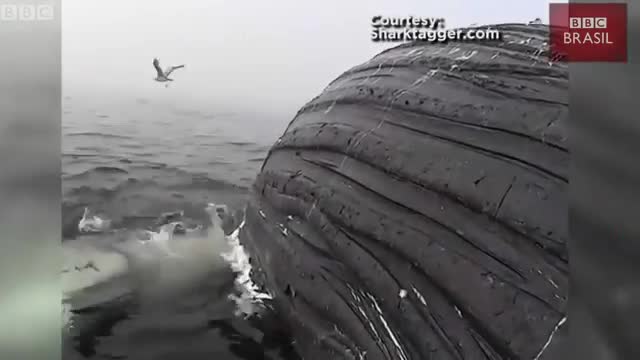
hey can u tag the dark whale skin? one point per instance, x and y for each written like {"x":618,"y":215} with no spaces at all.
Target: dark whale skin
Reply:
{"x":417,"y":208}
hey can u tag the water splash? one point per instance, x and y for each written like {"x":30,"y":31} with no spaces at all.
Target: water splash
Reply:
{"x":154,"y":263}
{"x":93,"y":223}
{"x":250,"y":300}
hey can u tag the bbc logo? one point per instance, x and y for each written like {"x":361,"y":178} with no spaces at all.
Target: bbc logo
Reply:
{"x":587,"y":22}
{"x":9,"y":12}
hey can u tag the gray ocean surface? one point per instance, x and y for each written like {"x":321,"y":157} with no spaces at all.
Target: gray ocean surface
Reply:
{"x":129,"y":160}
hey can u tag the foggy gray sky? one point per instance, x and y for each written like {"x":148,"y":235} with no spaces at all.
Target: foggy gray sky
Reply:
{"x":251,"y":54}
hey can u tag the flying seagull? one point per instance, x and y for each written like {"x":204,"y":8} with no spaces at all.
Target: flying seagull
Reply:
{"x":163,"y":76}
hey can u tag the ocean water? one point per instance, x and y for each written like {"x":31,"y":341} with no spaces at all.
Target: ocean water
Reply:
{"x":146,"y":277}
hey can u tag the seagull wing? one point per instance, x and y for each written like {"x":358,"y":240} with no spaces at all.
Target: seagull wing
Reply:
{"x":171,"y":68}
{"x":156,"y":64}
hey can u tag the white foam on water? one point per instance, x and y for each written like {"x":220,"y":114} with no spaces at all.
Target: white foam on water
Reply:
{"x":250,"y":300}
{"x":160,"y":261}
{"x":93,"y":223}
{"x":154,"y":262}
{"x":76,"y":275}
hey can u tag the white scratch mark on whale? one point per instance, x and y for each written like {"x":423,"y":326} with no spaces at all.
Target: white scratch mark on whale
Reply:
{"x":399,"y":348}
{"x":420,"y":297}
{"x":544,"y":347}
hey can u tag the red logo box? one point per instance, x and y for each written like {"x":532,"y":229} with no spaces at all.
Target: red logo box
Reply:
{"x":588,"y":32}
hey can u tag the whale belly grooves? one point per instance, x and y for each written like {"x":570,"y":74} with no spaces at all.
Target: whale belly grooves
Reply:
{"x":417,"y":208}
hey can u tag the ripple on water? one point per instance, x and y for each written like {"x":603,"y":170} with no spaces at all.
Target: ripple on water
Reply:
{"x":98,"y":134}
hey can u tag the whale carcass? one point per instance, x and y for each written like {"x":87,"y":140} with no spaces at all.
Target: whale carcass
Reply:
{"x":417,"y":208}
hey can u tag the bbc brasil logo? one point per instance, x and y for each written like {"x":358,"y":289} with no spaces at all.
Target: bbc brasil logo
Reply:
{"x":587,"y":23}
{"x":582,"y":32}
{"x":15,"y":12}
{"x":587,"y":30}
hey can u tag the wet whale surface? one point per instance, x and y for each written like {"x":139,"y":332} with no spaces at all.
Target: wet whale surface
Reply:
{"x":417,"y":208}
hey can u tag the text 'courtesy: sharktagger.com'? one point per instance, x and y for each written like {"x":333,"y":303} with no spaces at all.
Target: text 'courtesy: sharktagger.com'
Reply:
{"x":413,"y":28}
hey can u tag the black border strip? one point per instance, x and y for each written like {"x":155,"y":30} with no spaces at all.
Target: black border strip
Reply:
{"x":604,"y":251}
{"x":30,"y":261}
